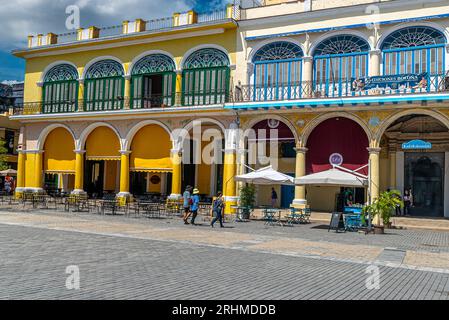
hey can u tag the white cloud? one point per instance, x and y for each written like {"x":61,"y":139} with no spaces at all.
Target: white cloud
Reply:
{"x":21,"y":18}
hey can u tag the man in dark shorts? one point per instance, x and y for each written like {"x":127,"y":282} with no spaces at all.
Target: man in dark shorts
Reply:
{"x":187,"y":197}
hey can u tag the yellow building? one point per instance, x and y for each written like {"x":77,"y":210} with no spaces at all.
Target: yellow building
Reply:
{"x":361,"y":84}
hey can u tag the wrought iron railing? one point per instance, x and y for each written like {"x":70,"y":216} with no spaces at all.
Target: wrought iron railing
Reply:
{"x":339,"y":88}
{"x":178,"y":99}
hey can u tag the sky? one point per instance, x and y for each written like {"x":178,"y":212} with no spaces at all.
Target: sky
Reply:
{"x":20,"y":18}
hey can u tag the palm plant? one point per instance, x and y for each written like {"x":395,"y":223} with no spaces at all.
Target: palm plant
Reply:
{"x":384,"y":206}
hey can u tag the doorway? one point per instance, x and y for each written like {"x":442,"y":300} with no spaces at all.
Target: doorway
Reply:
{"x":94,"y":178}
{"x":152,"y":90}
{"x":424,"y":175}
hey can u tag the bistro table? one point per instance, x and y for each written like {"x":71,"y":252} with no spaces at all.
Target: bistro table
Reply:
{"x":270,"y":216}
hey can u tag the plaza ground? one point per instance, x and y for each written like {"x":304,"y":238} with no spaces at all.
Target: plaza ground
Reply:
{"x":141,"y":258}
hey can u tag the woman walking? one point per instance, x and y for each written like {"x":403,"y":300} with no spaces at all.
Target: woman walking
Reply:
{"x":195,"y":205}
{"x":217,"y":210}
{"x":408,"y":202}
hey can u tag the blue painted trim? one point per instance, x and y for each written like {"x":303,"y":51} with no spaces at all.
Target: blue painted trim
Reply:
{"x":341,"y":101}
{"x":360,"y":25}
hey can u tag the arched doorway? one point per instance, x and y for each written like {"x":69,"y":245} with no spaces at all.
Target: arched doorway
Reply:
{"x":203,"y":158}
{"x":416,"y":155}
{"x":271,"y":142}
{"x":340,"y":141}
{"x":102,"y":169}
{"x":150,"y":164}
{"x":59,"y":161}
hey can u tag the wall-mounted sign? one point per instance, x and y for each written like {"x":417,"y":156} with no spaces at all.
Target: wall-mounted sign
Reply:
{"x":336,"y":159}
{"x":392,"y":82}
{"x":416,"y":144}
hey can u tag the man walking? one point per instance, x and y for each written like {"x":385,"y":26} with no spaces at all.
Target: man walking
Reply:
{"x":187,"y":198}
{"x":274,"y":198}
{"x":217,"y":209}
{"x":194,"y":206}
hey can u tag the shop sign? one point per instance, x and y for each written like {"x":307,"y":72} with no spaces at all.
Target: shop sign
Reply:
{"x":393,"y":82}
{"x":416,"y":144}
{"x":336,"y":159}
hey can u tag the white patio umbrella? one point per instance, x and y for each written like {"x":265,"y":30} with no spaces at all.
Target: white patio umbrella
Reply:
{"x":333,"y":177}
{"x":8,"y":172}
{"x":266,"y":176}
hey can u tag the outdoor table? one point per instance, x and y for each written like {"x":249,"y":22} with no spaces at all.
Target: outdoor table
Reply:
{"x":270,"y":216}
{"x":239,"y":213}
{"x":108,"y":204}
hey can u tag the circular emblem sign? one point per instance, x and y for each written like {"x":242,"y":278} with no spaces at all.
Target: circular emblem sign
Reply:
{"x":155,"y":179}
{"x":336,"y":159}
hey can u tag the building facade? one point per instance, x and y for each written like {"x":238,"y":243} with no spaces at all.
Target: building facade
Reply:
{"x":308,"y":84}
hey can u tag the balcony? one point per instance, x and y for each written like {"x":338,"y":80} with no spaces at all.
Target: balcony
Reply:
{"x":248,"y":95}
{"x":152,"y":102}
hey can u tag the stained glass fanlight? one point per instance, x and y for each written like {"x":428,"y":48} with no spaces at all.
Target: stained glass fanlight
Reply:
{"x":280,"y":50}
{"x":155,"y":63}
{"x":61,"y":72}
{"x":413,"y":37}
{"x":104,"y":69}
{"x":207,"y":58}
{"x":341,"y":44}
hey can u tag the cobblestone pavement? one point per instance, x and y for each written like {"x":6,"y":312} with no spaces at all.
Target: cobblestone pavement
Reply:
{"x":131,"y":258}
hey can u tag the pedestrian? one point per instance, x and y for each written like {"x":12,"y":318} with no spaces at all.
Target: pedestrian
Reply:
{"x":274,"y":198}
{"x":187,"y":198}
{"x":408,"y":202}
{"x":217,"y":209}
{"x":194,"y":206}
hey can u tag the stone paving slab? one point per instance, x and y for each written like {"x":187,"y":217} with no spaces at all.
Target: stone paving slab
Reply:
{"x":345,"y":247}
{"x":34,"y":259}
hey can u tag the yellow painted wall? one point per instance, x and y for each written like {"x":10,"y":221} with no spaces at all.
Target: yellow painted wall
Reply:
{"x":177,"y":47}
{"x":59,"y":155}
{"x":102,"y":142}
{"x":110,"y":175}
{"x":150,"y":149}
{"x":384,"y":174}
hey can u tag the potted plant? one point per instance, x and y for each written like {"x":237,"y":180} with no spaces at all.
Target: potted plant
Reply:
{"x":384,"y":206}
{"x":247,"y":199}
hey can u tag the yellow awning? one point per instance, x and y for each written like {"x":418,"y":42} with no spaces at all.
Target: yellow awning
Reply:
{"x":60,"y":172}
{"x":150,"y":170}
{"x":150,"y":150}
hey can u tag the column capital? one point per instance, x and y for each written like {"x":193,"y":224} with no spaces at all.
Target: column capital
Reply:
{"x":301,"y":150}
{"x":127,"y":77}
{"x":33,"y":151}
{"x":374,"y":150}
{"x":40,"y":84}
{"x":125,"y":152}
{"x":79,"y":151}
{"x":307,"y":58}
{"x":375,"y":51}
{"x":230,"y":150}
{"x":81,"y":81}
{"x":176,"y":151}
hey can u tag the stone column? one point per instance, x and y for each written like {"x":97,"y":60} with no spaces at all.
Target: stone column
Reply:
{"x":374,"y":64}
{"x":374,"y":162}
{"x":300,"y":191}
{"x":124,"y":194}
{"x":307,"y":77}
{"x":229,"y":185}
{"x":393,"y":170}
{"x":127,"y":98}
{"x":81,"y":89}
{"x":79,"y":172}
{"x":178,"y":93}
{"x":38,"y":172}
{"x":176,"y":158}
{"x":20,"y":183}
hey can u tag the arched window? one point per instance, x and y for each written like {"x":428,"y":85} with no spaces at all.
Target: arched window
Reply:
{"x":60,"y":89}
{"x":415,"y":50}
{"x":278,"y":71}
{"x":153,"y":82}
{"x":104,"y":86}
{"x":206,"y":77}
{"x":339,"y":61}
